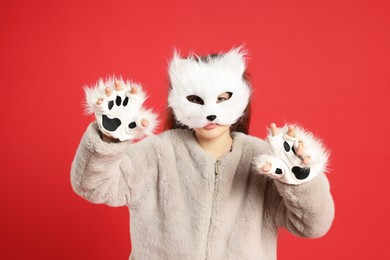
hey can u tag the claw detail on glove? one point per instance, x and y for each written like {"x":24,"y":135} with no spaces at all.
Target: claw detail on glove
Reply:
{"x":117,"y":106}
{"x":296,"y":156}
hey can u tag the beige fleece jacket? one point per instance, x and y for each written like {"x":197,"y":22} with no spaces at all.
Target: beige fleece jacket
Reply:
{"x":186,"y":205}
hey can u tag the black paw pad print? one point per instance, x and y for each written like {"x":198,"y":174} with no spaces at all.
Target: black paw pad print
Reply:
{"x":300,"y":173}
{"x":112,"y":124}
{"x":278,"y":171}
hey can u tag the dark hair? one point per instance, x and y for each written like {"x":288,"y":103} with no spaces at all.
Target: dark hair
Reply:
{"x":241,"y":125}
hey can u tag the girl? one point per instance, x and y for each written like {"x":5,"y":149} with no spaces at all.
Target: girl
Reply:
{"x":203,"y":189}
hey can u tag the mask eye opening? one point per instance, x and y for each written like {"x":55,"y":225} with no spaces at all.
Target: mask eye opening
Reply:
{"x":224,"y":96}
{"x":195,"y":99}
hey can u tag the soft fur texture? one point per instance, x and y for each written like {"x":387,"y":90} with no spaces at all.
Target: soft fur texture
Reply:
{"x":208,"y":79}
{"x":126,"y":110}
{"x":180,"y":209}
{"x":286,"y":160}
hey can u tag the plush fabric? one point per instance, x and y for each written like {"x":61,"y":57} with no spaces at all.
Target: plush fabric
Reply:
{"x":207,"y":79}
{"x":181,"y":209}
{"x":120,"y":115}
{"x":286,"y":165}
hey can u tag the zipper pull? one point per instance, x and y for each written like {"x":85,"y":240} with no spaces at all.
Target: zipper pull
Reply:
{"x":217,"y":167}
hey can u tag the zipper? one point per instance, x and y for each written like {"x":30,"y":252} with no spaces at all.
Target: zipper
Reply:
{"x":217,"y":171}
{"x":217,"y":168}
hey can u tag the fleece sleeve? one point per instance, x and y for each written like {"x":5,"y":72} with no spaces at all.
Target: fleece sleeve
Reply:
{"x":111,"y":173}
{"x":306,"y":210}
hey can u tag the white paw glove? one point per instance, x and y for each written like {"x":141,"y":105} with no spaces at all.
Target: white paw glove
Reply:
{"x":297,"y":157}
{"x":117,"y":106}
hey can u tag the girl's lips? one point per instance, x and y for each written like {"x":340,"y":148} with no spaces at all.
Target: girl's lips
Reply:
{"x":210,"y":126}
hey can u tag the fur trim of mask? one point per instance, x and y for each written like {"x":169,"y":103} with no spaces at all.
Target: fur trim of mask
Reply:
{"x":208,"y":78}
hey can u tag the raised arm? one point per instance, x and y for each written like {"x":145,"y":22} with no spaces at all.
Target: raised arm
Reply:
{"x":306,"y":210}
{"x":301,"y":197}
{"x":107,"y":167}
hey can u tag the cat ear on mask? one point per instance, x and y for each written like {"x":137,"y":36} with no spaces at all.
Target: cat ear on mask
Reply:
{"x":178,"y":66}
{"x":235,"y":60}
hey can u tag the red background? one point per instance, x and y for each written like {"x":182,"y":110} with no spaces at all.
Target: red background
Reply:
{"x":324,"y":64}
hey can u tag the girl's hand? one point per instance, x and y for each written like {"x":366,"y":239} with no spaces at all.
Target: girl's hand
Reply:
{"x":296,"y":156}
{"x":299,"y":151}
{"x":118,"y":107}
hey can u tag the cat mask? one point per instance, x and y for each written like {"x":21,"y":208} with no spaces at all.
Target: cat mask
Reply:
{"x":197,"y":83}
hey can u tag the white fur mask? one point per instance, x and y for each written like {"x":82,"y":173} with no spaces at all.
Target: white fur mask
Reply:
{"x":207,"y":79}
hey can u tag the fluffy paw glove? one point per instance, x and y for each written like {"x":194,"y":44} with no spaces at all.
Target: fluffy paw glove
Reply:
{"x":285,"y":165}
{"x":117,"y":106}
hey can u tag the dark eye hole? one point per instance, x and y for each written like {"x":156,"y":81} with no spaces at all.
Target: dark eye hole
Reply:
{"x":224,"y":96}
{"x":195,"y":99}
